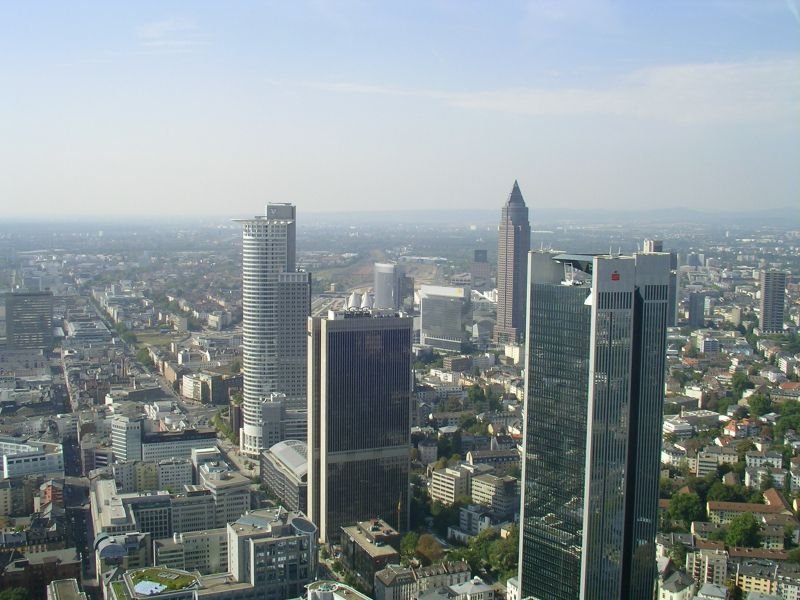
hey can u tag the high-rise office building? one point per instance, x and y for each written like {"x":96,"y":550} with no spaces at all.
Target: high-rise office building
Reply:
{"x":29,"y":320}
{"x":276,"y":302}
{"x":359,"y":394}
{"x":392,"y":288}
{"x":387,"y":286}
{"x":445,"y":314}
{"x":126,"y":438}
{"x":773,"y":292}
{"x":479,"y":269}
{"x":596,"y":345}
{"x":513,"y":243}
{"x":696,"y":316}
{"x":658,"y":246}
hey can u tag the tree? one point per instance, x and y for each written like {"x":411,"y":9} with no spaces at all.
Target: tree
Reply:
{"x":739,"y":383}
{"x":744,"y":531}
{"x":678,"y":555}
{"x":408,"y":546}
{"x":759,"y":404}
{"x":16,"y":593}
{"x":429,"y":549}
{"x":686,"y":508}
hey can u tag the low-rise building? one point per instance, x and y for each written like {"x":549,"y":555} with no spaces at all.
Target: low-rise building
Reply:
{"x":284,"y":470}
{"x":367,"y":547}
{"x":203,"y":551}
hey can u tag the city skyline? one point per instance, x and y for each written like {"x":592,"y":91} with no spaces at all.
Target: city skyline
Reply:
{"x":181,"y":109}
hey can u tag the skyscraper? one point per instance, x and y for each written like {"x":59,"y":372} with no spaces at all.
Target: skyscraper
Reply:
{"x":445,"y":314}
{"x":697,"y":310}
{"x":773,"y":292}
{"x":513,"y":243}
{"x":359,"y":394}
{"x":29,"y":320}
{"x":596,"y":345}
{"x":387,"y":286}
{"x":276,"y":302}
{"x":658,"y":246}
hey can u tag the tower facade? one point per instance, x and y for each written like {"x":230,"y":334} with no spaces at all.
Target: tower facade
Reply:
{"x":29,"y":320}
{"x":773,"y":291}
{"x":387,"y":286}
{"x":513,"y":244}
{"x":596,"y":346}
{"x":445,"y":315}
{"x":276,"y":302}
{"x":358,"y":419}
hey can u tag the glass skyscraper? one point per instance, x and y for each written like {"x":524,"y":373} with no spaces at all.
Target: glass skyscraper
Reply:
{"x":358,"y":419}
{"x":596,"y":345}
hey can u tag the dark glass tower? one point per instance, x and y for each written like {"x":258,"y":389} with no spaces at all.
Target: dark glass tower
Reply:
{"x":29,"y":320}
{"x":358,"y":419}
{"x":513,"y":244}
{"x":596,"y":347}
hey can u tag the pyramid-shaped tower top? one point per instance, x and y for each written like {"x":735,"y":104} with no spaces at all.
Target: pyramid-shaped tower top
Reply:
{"x":515,"y":197}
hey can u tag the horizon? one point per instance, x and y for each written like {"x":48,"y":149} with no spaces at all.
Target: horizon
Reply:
{"x":183,"y":109}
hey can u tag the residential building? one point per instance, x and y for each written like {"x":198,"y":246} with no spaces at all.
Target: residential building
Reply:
{"x":276,"y":301}
{"x":677,"y":586}
{"x":368,"y":547}
{"x":402,"y":583}
{"x":513,"y":244}
{"x":773,"y":292}
{"x":359,"y":396}
{"x":35,"y":570}
{"x":594,"y":397}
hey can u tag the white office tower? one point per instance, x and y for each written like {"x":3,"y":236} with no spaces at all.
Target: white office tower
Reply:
{"x":276,"y":302}
{"x":387,"y":286}
{"x":126,"y":438}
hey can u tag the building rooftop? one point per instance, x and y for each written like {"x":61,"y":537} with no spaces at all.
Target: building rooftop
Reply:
{"x":292,"y":453}
{"x":333,"y":590}
{"x":65,"y":589}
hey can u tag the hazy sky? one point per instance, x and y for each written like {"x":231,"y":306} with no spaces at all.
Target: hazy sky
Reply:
{"x":160,"y":107}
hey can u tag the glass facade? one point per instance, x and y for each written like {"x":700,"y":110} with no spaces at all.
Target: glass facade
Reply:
{"x":359,"y":412}
{"x":593,"y":427}
{"x":555,"y":439}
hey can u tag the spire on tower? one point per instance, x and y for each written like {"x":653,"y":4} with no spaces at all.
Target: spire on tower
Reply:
{"x":515,"y":197}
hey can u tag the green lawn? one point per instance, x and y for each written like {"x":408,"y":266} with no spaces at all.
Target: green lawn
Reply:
{"x":171,"y":580}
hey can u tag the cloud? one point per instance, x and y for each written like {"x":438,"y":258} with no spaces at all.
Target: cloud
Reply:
{"x":170,"y":34}
{"x":692,"y":93}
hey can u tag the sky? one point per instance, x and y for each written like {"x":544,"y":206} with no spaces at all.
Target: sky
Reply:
{"x":201,"y":108}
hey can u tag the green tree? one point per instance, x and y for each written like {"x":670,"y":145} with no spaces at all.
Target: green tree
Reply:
{"x":408,"y":546}
{"x":759,"y":404}
{"x":16,"y":593}
{"x":678,"y":555}
{"x":744,"y":531}
{"x":739,"y":383}
{"x":686,"y":508}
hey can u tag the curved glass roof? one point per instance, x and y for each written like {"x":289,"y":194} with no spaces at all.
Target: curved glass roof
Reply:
{"x":292,"y":453}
